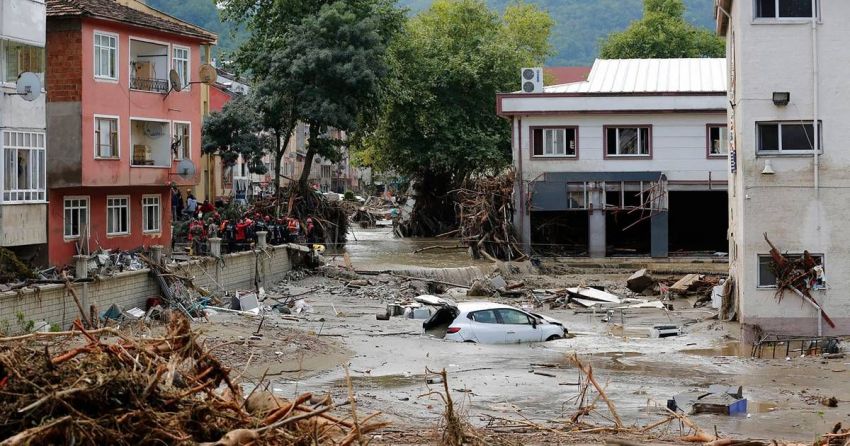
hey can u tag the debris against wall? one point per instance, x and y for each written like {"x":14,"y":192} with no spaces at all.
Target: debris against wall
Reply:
{"x":54,"y":305}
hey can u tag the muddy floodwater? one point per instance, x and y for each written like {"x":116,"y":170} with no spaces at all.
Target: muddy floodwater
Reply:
{"x":387,"y":360}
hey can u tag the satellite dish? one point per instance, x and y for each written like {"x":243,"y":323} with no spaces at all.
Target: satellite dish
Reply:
{"x":29,"y":86}
{"x":186,"y":169}
{"x":176,"y":82}
{"x":154,"y":129}
{"x":207,"y":74}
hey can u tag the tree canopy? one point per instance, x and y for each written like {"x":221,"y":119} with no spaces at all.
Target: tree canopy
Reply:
{"x":438,"y":117}
{"x":662,"y":33}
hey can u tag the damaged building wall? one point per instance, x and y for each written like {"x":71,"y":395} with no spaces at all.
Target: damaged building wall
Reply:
{"x":800,"y":206}
{"x":53,"y":304}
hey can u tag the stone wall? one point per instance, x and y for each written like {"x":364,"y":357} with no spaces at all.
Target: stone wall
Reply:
{"x":54,"y":304}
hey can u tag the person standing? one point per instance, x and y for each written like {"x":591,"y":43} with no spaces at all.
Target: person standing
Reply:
{"x":191,"y":204}
{"x":176,"y":203}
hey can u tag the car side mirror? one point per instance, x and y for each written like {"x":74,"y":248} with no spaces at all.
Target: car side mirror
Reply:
{"x":533,"y":324}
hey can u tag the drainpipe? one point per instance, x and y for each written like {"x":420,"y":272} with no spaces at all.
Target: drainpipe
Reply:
{"x":815,"y":79}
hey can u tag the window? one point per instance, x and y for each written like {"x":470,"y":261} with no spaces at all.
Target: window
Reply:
{"x":20,"y":58}
{"x":554,"y":141}
{"x":23,"y":174}
{"x":786,"y":137}
{"x":484,"y":317}
{"x":718,"y":141}
{"x":181,"y":146}
{"x":106,"y":137}
{"x":513,"y":317}
{"x":76,"y":216}
{"x":105,"y":55}
{"x":326,"y":171}
{"x":784,"y":9}
{"x":150,"y":213}
{"x":627,"y":141}
{"x":180,"y":63}
{"x":117,"y":215}
{"x":767,"y":278}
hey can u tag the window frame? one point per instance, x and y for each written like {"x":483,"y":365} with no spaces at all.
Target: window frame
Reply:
{"x":87,"y":209}
{"x":115,"y":60}
{"x":37,"y":171}
{"x":776,"y":19}
{"x":109,"y":207}
{"x":117,"y":120}
{"x":640,"y":156}
{"x":145,"y":221}
{"x":187,"y":150}
{"x":471,"y":316}
{"x":779,"y":151}
{"x":708,"y":153}
{"x":187,"y":81}
{"x":759,"y":258}
{"x":4,"y":64}
{"x":501,"y":319}
{"x":544,"y":128}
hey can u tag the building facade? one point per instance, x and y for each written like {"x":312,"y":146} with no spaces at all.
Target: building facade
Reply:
{"x":119,"y":129}
{"x":23,"y":188}
{"x":788,"y":176}
{"x":631,"y":161}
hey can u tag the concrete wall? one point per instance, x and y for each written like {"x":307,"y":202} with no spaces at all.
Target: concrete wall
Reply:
{"x":131,"y":289}
{"x":768,"y":56}
{"x":23,"y":224}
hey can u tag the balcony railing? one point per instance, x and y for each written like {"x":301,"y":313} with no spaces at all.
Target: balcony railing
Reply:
{"x":154,"y":85}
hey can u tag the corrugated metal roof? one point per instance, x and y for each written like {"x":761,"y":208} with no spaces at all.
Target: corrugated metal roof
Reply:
{"x":650,"y":76}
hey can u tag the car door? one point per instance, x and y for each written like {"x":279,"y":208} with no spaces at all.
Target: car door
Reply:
{"x":518,"y":326}
{"x":486,"y":328}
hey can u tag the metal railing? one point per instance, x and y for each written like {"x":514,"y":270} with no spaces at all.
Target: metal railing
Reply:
{"x":155,"y":85}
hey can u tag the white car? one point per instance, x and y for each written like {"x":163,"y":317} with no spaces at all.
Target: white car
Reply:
{"x":490,"y":323}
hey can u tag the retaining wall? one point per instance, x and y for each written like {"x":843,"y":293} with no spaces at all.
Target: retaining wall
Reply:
{"x":54,"y":304}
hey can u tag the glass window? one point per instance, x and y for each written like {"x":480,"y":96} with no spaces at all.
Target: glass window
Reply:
{"x":773,"y":9}
{"x":718,"y":140}
{"x":181,"y":146}
{"x":554,"y":142}
{"x":151,"y":213}
{"x":180,"y":63}
{"x":513,"y":317}
{"x":105,"y":55}
{"x":117,"y":215}
{"x":76,"y":216}
{"x":484,"y":317}
{"x":767,"y":275}
{"x":792,"y":137}
{"x":628,"y":141}
{"x":21,"y":58}
{"x":24,"y":178}
{"x":106,"y":137}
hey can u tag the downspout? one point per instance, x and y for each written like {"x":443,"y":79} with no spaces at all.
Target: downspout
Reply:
{"x":816,"y":111}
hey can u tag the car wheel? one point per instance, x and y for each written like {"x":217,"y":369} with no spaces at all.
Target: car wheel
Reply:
{"x":552,"y":338}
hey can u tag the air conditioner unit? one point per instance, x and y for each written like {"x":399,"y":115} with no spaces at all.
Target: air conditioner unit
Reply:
{"x":532,"y":80}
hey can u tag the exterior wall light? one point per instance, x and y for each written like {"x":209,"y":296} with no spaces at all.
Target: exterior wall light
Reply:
{"x":781,"y":98}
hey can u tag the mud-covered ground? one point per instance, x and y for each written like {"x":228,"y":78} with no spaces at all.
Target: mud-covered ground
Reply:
{"x":387,"y":362}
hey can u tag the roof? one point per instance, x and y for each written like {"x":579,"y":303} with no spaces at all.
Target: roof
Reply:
{"x":566,"y":75}
{"x":466,"y":307}
{"x":650,"y":76}
{"x":113,"y":11}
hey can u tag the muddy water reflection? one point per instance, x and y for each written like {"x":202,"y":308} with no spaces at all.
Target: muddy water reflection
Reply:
{"x":377,"y":249}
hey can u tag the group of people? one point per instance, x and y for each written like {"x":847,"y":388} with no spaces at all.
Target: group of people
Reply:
{"x":191,"y":209}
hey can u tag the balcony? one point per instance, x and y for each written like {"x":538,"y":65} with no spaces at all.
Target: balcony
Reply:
{"x":148,"y":66}
{"x":150,"y":143}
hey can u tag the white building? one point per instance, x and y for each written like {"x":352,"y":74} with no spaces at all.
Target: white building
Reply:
{"x":790,"y":179}
{"x":23,"y":198}
{"x":630,"y":162}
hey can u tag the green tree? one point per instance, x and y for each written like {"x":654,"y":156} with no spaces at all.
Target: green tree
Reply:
{"x":326,"y":58}
{"x":438,"y":121}
{"x":662,"y":33}
{"x":237,"y":130}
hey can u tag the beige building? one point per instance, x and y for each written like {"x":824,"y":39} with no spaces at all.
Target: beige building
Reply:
{"x":789,"y":61}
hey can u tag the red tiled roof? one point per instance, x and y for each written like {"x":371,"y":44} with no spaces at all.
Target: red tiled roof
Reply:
{"x":567,"y":75}
{"x":112,"y":10}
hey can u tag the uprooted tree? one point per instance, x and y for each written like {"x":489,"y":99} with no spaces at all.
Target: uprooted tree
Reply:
{"x":436,"y":123}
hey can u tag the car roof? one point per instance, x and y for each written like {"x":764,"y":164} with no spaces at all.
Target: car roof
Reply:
{"x":467,"y":307}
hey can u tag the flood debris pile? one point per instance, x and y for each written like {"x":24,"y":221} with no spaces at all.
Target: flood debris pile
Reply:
{"x":485,"y":211}
{"x":12,"y":269}
{"x":145,"y":391}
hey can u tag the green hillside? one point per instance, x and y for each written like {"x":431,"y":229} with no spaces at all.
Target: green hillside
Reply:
{"x":579,"y":23}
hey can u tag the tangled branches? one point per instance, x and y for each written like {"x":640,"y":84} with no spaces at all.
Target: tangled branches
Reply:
{"x":133,"y":391}
{"x":485,"y":211}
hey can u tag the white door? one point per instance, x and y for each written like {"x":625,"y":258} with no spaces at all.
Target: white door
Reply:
{"x":519,"y":327}
{"x":486,"y":328}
